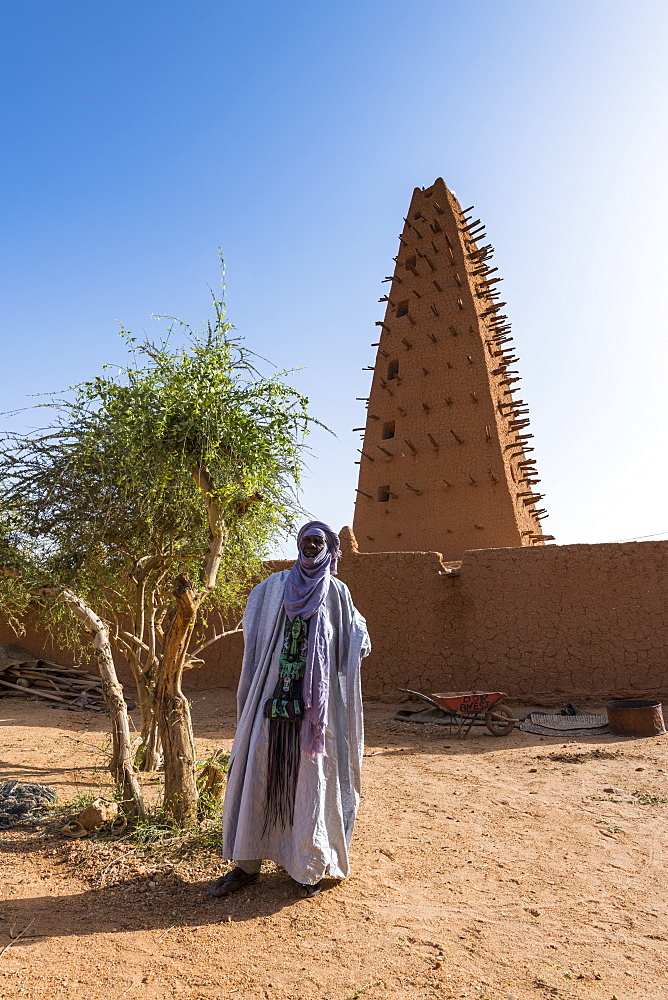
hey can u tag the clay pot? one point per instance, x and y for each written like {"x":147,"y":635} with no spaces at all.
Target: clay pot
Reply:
{"x":635,"y":717}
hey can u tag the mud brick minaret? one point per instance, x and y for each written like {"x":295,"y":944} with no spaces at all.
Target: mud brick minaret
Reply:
{"x":446,"y":461}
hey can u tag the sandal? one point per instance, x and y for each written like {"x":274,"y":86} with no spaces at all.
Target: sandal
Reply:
{"x":307,"y":891}
{"x":232,"y":882}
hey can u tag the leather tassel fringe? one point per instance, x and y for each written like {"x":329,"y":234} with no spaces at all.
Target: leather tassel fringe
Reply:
{"x":282,"y":772}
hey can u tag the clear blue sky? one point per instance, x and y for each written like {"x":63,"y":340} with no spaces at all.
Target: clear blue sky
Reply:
{"x":140,"y":137}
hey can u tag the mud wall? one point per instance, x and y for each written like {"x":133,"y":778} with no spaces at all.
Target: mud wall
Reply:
{"x":35,"y":639}
{"x":572,"y":620}
{"x":547,"y":623}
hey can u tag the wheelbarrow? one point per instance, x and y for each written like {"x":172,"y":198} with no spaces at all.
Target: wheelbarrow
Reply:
{"x":471,"y":708}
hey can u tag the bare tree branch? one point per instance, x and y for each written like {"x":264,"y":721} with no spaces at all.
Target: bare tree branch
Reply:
{"x":13,"y":574}
{"x":215,"y":638}
{"x":216,"y":528}
{"x":122,"y":765}
{"x":135,"y":639}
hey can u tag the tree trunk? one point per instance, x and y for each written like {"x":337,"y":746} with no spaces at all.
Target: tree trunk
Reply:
{"x":122,"y":765}
{"x":149,"y":753}
{"x":172,"y":708}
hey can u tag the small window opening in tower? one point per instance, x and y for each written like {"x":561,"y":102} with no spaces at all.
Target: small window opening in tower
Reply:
{"x":411,"y":262}
{"x":392,"y":370}
{"x":388,"y":430}
{"x":383,"y":494}
{"x":402,"y":308}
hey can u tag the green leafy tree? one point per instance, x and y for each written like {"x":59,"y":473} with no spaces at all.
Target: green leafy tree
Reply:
{"x":150,"y":498}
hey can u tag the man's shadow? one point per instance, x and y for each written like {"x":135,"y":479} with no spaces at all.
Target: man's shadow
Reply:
{"x":120,"y":907}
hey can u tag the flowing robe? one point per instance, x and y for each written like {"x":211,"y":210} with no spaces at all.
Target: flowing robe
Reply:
{"x":328,"y":788}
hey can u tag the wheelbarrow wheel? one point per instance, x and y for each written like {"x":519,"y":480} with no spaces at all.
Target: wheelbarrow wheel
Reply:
{"x":499,"y":720}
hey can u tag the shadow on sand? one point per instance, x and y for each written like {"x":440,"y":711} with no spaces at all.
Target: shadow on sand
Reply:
{"x":120,"y":908}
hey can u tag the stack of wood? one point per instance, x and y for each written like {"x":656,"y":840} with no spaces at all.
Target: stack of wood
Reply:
{"x":29,"y":675}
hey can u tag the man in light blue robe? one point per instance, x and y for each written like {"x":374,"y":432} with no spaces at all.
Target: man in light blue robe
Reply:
{"x":293,"y":786}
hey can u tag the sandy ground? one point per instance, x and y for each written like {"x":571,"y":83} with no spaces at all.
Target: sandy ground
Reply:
{"x":486,"y":868}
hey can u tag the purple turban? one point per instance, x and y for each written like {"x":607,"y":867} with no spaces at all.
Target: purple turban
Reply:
{"x":305,"y":593}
